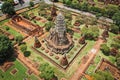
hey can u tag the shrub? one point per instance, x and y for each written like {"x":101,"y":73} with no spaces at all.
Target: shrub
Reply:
{"x":27,"y":53}
{"x":23,"y":47}
{"x":114,"y":29}
{"x":7,"y":28}
{"x":105,"y":49}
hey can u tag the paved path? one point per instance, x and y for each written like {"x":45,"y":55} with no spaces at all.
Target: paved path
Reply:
{"x":83,"y":66}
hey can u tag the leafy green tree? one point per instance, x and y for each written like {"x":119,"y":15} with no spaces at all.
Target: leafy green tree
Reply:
{"x":31,"y":3}
{"x":6,"y":48}
{"x":84,"y":6}
{"x":114,"y":29}
{"x":55,"y":0}
{"x":47,"y":72}
{"x":75,"y":4}
{"x":115,"y":43}
{"x":105,"y":49}
{"x":95,"y":9}
{"x":111,"y":10}
{"x":27,"y":53}
{"x":116,"y":19}
{"x":48,"y":25}
{"x":90,"y":33}
{"x":10,"y":1}
{"x":102,"y":75}
{"x":23,"y":47}
{"x":118,"y":60}
{"x":19,"y":39}
{"x":8,"y":8}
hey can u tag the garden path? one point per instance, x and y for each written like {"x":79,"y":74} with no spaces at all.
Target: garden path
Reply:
{"x":28,"y":63}
{"x":83,"y":66}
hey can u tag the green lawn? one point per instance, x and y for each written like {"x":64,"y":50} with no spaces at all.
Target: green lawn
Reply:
{"x":19,"y":75}
{"x":93,"y":66}
{"x":12,"y":31}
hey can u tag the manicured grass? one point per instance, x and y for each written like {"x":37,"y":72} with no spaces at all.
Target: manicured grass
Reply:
{"x":109,"y":58}
{"x":109,"y":40}
{"x":12,"y":31}
{"x":93,"y":66}
{"x":2,"y":22}
{"x":19,"y":75}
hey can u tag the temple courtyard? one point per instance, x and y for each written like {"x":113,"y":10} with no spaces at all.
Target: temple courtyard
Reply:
{"x":60,"y":42}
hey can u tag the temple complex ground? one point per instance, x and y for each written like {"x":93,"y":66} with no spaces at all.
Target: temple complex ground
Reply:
{"x":82,"y":58}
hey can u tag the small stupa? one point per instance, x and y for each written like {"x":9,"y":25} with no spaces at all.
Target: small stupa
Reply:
{"x":58,"y":40}
{"x":53,"y":11}
{"x":105,"y":33}
{"x":82,"y":40}
{"x":64,"y":61}
{"x":37,"y":43}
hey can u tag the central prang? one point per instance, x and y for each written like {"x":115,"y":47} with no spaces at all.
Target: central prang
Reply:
{"x":58,"y":40}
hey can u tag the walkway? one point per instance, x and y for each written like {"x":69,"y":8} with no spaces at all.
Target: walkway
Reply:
{"x":27,"y":62}
{"x":83,"y":66}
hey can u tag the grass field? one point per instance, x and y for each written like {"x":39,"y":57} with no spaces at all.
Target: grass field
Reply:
{"x":20,"y":75}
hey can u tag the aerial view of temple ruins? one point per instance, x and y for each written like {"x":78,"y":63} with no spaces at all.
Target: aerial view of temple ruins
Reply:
{"x":59,"y":39}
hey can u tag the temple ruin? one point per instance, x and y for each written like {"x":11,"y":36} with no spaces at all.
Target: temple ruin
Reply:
{"x":58,"y":40}
{"x":25,"y":25}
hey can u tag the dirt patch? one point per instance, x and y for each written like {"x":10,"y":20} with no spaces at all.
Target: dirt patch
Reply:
{"x":14,"y":71}
{"x":6,"y":66}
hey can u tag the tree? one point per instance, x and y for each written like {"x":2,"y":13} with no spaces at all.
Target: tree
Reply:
{"x":19,"y":39}
{"x":10,"y":1}
{"x":102,"y":75}
{"x":84,"y":6}
{"x":21,"y":2}
{"x":118,"y":60}
{"x":27,"y":53}
{"x":55,"y":0}
{"x":90,"y":33}
{"x":105,"y":49}
{"x":8,"y":8}
{"x":6,"y":48}
{"x":31,"y":3}
{"x":23,"y":47}
{"x":48,"y":26}
{"x":116,"y":19}
{"x":111,"y":10}
{"x":116,"y":43}
{"x":114,"y":29}
{"x":47,"y":72}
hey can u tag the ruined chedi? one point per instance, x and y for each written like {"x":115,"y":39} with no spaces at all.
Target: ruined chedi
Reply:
{"x":59,"y":41}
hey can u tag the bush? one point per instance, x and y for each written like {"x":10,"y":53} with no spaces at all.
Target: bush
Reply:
{"x":114,"y":29}
{"x":27,"y":53}
{"x":19,"y":39}
{"x":31,"y":4}
{"x":105,"y":49}
{"x":90,"y":33}
{"x":23,"y":47}
{"x":48,"y":26}
{"x":115,"y":43}
{"x":7,"y":28}
{"x":47,"y":72}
